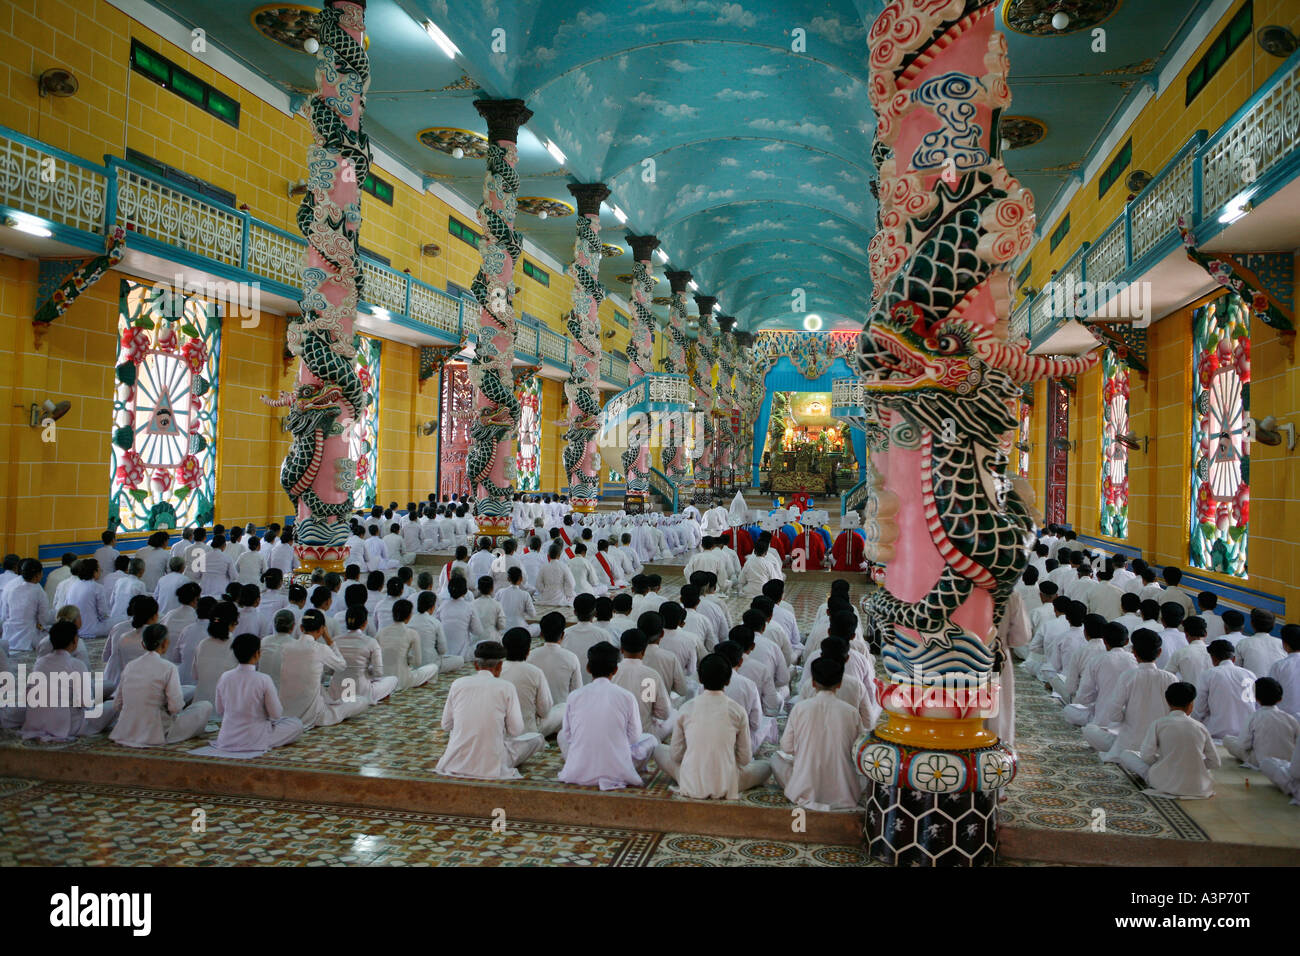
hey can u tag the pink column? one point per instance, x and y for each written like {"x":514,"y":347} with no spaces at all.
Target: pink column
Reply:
{"x":581,"y":459}
{"x":318,"y":473}
{"x":640,"y":357}
{"x":490,"y":464}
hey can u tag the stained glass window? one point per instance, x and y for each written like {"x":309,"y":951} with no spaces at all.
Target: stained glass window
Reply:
{"x":1220,"y":442}
{"x":1114,"y":453}
{"x":163,"y":470}
{"x":363,"y":443}
{"x":528,"y":462}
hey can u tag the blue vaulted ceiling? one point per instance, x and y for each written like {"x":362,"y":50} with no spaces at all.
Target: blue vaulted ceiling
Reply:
{"x":750,"y":161}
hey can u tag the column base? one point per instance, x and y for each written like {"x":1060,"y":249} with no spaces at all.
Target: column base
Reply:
{"x":584,"y":507}
{"x":931,"y":807}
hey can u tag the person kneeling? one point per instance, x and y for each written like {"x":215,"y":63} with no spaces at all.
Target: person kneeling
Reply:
{"x":402,"y":651}
{"x":710,"y":755}
{"x":601,"y":738}
{"x":149,"y":700}
{"x":253,"y":720}
{"x":482,"y":715}
{"x":1178,"y":753}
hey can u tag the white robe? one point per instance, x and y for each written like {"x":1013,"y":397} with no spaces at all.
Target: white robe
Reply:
{"x":602,"y":738}
{"x":819,"y":739}
{"x":483,"y":718}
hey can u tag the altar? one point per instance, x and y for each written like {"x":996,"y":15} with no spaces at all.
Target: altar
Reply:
{"x":806,"y":448}
{"x":810,"y":470}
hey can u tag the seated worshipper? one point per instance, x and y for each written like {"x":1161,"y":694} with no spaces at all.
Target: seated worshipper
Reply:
{"x":610,"y":567}
{"x":27,"y":614}
{"x":1131,"y":608}
{"x":269,"y":653}
{"x":376,"y":590}
{"x":757,"y":668}
{"x":1137,"y":701}
{"x":531,"y":561}
{"x":433,"y":643}
{"x":126,"y":587}
{"x":647,"y":685}
{"x":281,"y":555}
{"x":460,"y":625}
{"x":696,"y":621}
{"x":274,"y":597}
{"x":180,"y":651}
{"x":684,"y":644}
{"x":1223,"y":701}
{"x":483,"y":717}
{"x":70,"y":614}
{"x":1172,"y":637}
{"x":363,"y":678}
{"x":251,"y":565}
{"x":151,"y":709}
{"x":710,"y":603}
{"x":555,"y":584}
{"x":776,"y":633}
{"x":80,"y":713}
{"x":1270,"y":731}
{"x":491,"y":618}
{"x":402,"y":650}
{"x":165,"y":592}
{"x":586,"y":633}
{"x":783,"y":613}
{"x":632,"y":560}
{"x":604,"y":616}
{"x":711,"y":756}
{"x":502,"y":563}
{"x":252,"y":717}
{"x":126,"y":645}
{"x":1043,"y":645}
{"x":480,"y":563}
{"x":601,"y":736}
{"x":762,"y":729}
{"x":815,"y":764}
{"x":377,"y":556}
{"x":1100,"y":673}
{"x":302,"y":665}
{"x":1173,"y":578}
{"x":561,"y":666}
{"x":409,"y":542}
{"x":540,"y":713}
{"x":765,"y":647}
{"x":1177,"y":752}
{"x":587,"y":577}
{"x":64,"y":572}
{"x":621,"y":619}
{"x":1058,"y":650}
{"x":1067,"y":684}
{"x":215,"y":568}
{"x":1284,"y":774}
{"x":213,"y":657}
{"x":84,"y":591}
{"x":1287,"y":671}
{"x":251,"y":620}
{"x":1206,"y":603}
{"x":665,"y":662}
{"x":1193,"y":660}
{"x":1261,"y":650}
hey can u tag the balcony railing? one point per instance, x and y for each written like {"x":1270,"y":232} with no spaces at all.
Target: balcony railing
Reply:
{"x":81,"y":200}
{"x":1253,"y":155}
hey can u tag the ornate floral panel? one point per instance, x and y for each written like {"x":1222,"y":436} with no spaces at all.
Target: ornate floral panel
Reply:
{"x":455,"y":413}
{"x":1220,"y":437}
{"x":812,"y":353}
{"x":163,"y":469}
{"x":528,"y":460}
{"x":1114,"y":453}
{"x":363,"y":444}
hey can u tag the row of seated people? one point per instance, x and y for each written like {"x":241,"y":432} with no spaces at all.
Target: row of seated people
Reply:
{"x":1153,"y":688}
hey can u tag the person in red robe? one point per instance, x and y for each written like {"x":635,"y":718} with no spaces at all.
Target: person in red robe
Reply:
{"x":741,"y":541}
{"x":849,"y":550}
{"x":814,"y":548}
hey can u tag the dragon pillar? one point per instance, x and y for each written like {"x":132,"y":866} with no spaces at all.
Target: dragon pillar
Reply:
{"x":705,"y":355}
{"x":318,"y":473}
{"x":944,"y":525}
{"x":490,"y":462}
{"x":581,"y":459}
{"x":640,"y":358}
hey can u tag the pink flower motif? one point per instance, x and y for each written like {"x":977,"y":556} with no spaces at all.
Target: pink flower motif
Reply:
{"x":135,"y":344}
{"x":166,"y":339}
{"x":1241,"y":355}
{"x":363,"y":467}
{"x":367,"y":379}
{"x":131,"y":472}
{"x":1204,"y":505}
{"x":160,"y":480}
{"x":190,"y":474}
{"x":1223,"y":516}
{"x":1241,"y":506}
{"x":195,"y":354}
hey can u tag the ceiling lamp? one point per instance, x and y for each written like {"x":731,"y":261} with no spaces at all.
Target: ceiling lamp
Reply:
{"x":556,"y":153}
{"x":440,"y":38}
{"x":619,"y":214}
{"x":28,"y":224}
{"x":1060,"y":20}
{"x":693,"y":286}
{"x":663,"y":256}
{"x":311,"y":44}
{"x":1237,"y":207}
{"x":812,"y":322}
{"x":457,"y":153}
